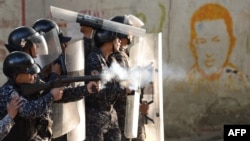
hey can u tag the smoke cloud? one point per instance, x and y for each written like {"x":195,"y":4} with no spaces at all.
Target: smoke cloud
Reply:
{"x":173,"y":72}
{"x":133,"y":78}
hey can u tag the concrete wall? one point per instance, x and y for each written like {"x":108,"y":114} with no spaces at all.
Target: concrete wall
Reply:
{"x":207,"y":82}
{"x":11,"y":17}
{"x":200,"y":96}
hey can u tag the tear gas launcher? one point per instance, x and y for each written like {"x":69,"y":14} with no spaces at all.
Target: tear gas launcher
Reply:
{"x":96,"y":23}
{"x":29,"y":89}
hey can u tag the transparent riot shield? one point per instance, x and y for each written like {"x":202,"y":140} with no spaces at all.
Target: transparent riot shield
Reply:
{"x":54,"y":48}
{"x":147,"y":53}
{"x":132,"y":115}
{"x":70,"y":117}
{"x":65,"y":118}
{"x":74,"y":59}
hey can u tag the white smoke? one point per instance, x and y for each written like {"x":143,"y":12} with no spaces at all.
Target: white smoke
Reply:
{"x":173,"y":72}
{"x":139,"y":76}
{"x":133,"y":78}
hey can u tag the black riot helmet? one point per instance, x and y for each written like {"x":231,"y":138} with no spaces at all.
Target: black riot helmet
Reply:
{"x":45,"y":25}
{"x":103,"y":36}
{"x":23,"y":38}
{"x":18,"y":62}
{"x":123,"y":20}
{"x":128,"y":20}
{"x":54,"y":38}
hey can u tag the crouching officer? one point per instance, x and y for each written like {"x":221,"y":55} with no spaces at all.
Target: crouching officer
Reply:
{"x":20,"y":68}
{"x":28,"y":40}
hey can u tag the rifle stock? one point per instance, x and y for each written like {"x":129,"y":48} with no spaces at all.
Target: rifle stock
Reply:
{"x":29,"y":89}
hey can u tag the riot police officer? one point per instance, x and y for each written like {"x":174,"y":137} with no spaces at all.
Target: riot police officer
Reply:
{"x":26,"y":39}
{"x":122,"y":57}
{"x":55,"y":39}
{"x":101,"y":117}
{"x":20,"y":68}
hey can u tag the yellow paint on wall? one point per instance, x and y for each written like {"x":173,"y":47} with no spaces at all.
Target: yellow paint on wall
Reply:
{"x":211,"y":43}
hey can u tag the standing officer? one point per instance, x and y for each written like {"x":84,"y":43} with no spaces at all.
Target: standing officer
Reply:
{"x":55,"y":38}
{"x":101,"y":117}
{"x":122,"y":58}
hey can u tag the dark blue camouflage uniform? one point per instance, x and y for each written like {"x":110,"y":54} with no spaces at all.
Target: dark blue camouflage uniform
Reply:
{"x":101,"y":117}
{"x":5,"y":125}
{"x":27,"y":120}
{"x":38,"y":109}
{"x":69,"y":95}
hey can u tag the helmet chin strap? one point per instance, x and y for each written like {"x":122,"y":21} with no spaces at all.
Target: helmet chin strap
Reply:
{"x":113,"y":47}
{"x":27,"y":48}
{"x":30,"y":52}
{"x":12,"y":79}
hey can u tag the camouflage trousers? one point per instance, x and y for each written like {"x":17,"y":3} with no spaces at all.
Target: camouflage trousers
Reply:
{"x":38,"y":138}
{"x":102,"y":125}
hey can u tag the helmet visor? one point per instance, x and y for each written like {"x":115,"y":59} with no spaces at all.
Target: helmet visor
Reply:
{"x":133,"y":20}
{"x":54,"y":48}
{"x":39,"y":40}
{"x":34,"y":69}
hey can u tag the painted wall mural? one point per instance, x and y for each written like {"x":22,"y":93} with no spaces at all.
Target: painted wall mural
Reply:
{"x":206,"y":44}
{"x":212,"y":49}
{"x":158,"y":27}
{"x":206,"y":78}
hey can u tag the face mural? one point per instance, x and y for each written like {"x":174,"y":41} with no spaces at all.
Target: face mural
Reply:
{"x":211,"y":43}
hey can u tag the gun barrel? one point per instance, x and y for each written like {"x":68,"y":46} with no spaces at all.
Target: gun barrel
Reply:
{"x":29,"y":89}
{"x":67,"y":79}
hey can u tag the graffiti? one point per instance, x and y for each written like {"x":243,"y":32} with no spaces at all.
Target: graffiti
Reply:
{"x":95,"y":13}
{"x":62,"y":24}
{"x":163,"y":17}
{"x":211,"y":43}
{"x":4,"y":23}
{"x":2,"y":2}
{"x":158,"y":28}
{"x":248,"y":44}
{"x":3,"y":52}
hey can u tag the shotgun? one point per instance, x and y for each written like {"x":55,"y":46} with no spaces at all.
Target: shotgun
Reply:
{"x":29,"y":89}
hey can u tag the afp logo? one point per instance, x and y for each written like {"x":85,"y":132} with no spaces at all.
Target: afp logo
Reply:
{"x":236,"y":132}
